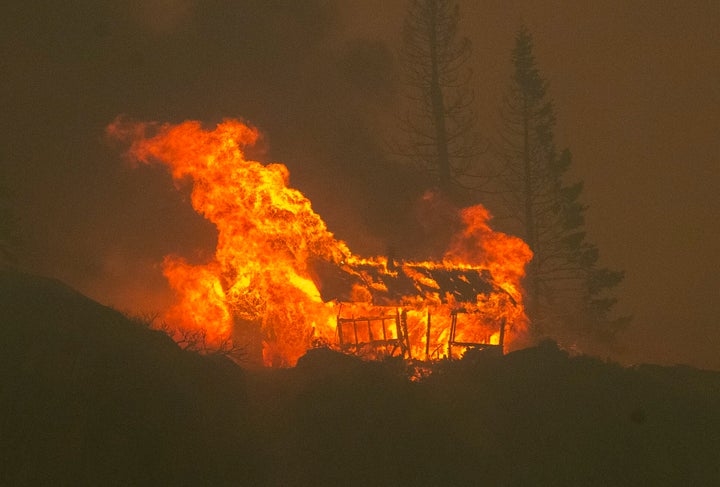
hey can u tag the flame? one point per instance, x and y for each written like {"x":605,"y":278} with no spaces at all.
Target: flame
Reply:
{"x":260,"y":285}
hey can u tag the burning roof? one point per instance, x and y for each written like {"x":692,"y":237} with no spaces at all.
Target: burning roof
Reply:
{"x":393,"y":284}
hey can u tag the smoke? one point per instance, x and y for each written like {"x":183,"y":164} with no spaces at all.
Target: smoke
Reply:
{"x":325,"y":99}
{"x":163,"y":16}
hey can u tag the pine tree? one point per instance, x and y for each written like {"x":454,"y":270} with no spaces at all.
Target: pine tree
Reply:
{"x":566,"y":288}
{"x":440,"y":124}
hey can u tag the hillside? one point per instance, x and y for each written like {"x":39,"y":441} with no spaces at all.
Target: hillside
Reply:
{"x":88,"y":397}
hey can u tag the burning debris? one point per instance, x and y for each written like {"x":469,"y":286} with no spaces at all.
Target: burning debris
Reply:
{"x":280,"y":279}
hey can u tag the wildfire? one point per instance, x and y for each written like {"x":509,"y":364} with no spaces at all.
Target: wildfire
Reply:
{"x":275,"y":255}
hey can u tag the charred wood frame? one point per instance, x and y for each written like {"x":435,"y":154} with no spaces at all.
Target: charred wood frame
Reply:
{"x":386,"y":335}
{"x":472,"y":345}
{"x":391,"y":342}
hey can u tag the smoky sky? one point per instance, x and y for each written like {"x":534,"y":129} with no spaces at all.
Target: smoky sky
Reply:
{"x":635,"y":90}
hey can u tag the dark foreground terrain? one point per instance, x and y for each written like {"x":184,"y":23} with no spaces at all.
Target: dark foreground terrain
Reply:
{"x":88,"y":397}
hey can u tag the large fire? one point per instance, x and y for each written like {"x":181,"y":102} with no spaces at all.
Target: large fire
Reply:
{"x":275,"y":255}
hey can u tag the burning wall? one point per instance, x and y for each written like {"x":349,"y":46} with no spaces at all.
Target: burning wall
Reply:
{"x":263,"y":279}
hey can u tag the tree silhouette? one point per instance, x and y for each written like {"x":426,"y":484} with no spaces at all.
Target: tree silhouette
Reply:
{"x":565,"y":286}
{"x":439,"y":124}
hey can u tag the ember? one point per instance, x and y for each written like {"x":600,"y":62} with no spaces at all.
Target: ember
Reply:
{"x":281,"y":280}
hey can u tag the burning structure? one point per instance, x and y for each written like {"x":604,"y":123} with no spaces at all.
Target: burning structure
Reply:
{"x":398,"y":303}
{"x":280,"y":279}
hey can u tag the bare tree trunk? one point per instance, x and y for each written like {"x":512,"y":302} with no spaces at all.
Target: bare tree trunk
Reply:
{"x":532,"y":285}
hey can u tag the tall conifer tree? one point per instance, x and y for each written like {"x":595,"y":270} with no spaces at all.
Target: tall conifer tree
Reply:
{"x":566,"y":289}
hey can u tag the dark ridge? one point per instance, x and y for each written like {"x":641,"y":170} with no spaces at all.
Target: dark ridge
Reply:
{"x":88,"y":397}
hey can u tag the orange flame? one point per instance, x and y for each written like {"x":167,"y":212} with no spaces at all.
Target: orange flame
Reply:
{"x":260,"y":285}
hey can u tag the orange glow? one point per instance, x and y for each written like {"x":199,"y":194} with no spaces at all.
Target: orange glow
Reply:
{"x":263,"y":283}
